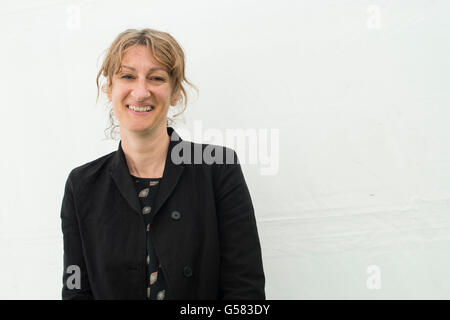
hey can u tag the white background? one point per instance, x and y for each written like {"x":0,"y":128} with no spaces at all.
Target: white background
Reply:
{"x":359,"y":91}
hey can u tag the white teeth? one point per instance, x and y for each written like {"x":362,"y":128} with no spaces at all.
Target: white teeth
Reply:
{"x":140,"y":109}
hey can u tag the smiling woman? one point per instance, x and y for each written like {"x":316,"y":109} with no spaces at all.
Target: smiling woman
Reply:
{"x":162,"y":65}
{"x":140,"y":92}
{"x":139,"y":224}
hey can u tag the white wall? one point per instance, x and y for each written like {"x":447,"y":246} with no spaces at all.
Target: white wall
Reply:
{"x":359,"y":94}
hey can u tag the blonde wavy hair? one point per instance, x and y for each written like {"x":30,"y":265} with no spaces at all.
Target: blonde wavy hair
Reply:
{"x":166,"y":51}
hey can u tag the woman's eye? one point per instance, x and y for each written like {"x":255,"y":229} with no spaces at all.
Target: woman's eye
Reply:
{"x":127,"y":76}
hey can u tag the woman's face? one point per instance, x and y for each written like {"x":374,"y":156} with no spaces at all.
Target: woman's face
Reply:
{"x":141,"y":82}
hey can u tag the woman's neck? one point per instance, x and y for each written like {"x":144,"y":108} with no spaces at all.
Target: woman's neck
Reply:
{"x":146,"y":154}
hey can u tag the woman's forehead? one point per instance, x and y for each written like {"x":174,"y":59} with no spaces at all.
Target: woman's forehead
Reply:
{"x":152,"y":69}
{"x":140,"y":57}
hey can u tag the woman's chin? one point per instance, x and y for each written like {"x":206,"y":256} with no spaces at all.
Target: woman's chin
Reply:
{"x":138,"y":128}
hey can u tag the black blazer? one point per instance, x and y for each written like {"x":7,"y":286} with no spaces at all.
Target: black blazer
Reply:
{"x":204,"y":230}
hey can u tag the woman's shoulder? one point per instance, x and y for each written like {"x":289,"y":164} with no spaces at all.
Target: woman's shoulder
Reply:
{"x":189,"y":152}
{"x":218,"y":161}
{"x":91,"y":168}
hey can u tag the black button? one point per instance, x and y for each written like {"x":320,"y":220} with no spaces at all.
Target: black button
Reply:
{"x":187,"y":271}
{"x":176,"y":215}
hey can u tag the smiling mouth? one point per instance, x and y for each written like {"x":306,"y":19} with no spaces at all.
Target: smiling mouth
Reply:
{"x":141,"y":109}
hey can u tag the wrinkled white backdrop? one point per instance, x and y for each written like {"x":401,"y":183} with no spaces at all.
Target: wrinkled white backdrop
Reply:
{"x":353,"y":97}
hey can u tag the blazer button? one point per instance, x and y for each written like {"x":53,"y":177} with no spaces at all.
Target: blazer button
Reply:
{"x":176,"y":215}
{"x":187,"y":271}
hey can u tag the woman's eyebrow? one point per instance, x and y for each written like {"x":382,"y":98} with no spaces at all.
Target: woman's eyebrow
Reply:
{"x":151,"y":69}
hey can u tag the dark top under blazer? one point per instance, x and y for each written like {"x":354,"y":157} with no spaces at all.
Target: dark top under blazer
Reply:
{"x":204,"y":230}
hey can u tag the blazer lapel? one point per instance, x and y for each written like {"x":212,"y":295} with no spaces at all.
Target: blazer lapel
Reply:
{"x":171,"y":175}
{"x":121,"y":175}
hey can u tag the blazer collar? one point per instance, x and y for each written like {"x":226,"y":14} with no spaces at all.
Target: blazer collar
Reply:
{"x":121,"y":175}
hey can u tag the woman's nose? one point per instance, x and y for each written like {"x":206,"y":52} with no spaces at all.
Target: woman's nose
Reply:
{"x":140,"y":91}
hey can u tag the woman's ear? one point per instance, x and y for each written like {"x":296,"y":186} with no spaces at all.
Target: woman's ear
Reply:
{"x":175,"y":98}
{"x":108,"y":93}
{"x":107,"y":89}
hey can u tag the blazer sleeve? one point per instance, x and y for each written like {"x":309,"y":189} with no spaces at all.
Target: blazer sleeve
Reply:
{"x":74,"y":264}
{"x":241,"y":268}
